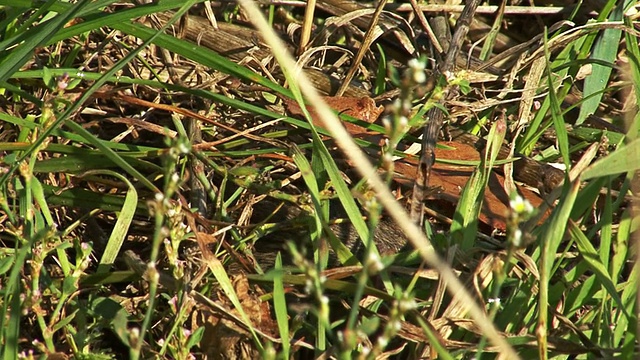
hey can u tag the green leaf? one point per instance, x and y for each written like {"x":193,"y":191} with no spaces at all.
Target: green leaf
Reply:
{"x":556,"y":114}
{"x":112,"y":312}
{"x":121,"y":227}
{"x":280,"y":306}
{"x":592,"y":257}
{"x":342,"y":251}
{"x":26,"y":43}
{"x":465,"y":220}
{"x":605,"y":50}
{"x":622,"y":160}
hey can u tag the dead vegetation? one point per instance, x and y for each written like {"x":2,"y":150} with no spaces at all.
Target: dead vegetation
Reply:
{"x":167,"y":198}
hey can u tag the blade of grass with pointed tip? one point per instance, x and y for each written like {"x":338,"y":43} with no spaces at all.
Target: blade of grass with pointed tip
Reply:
{"x":38,"y":196}
{"x":121,"y":227}
{"x":604,"y":49}
{"x":550,"y":238}
{"x":489,"y":42}
{"x":628,"y":336}
{"x":591,"y":256}
{"x":27,"y":42}
{"x":465,"y":221}
{"x":220,"y":274}
{"x":556,"y":114}
{"x":622,"y":160}
{"x":280,"y":306}
{"x":342,"y":252}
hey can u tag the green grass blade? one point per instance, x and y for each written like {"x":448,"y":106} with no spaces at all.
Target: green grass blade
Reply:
{"x":10,"y":325}
{"x":111,"y":155}
{"x":489,"y":42}
{"x":550,"y":238}
{"x":605,"y":49}
{"x":220,"y":274}
{"x":37,"y":36}
{"x":556,"y":115}
{"x":591,"y":256}
{"x":280,"y":307}
{"x":78,"y":163}
{"x":86,"y":199}
{"x":121,"y":226}
{"x":628,"y":334}
{"x":465,"y":219}
{"x":199,"y":54}
{"x":38,"y":196}
{"x":622,"y":160}
{"x":342,"y":251}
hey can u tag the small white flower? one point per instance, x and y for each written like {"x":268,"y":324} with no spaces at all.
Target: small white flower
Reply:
{"x":417,"y":70}
{"x":516,"y":238}
{"x":407,"y":305}
{"x":520,"y":205}
{"x":383,"y":342}
{"x":403,"y":122}
{"x":374,"y":263}
{"x":184,"y":149}
{"x":386,"y":122}
{"x":324,"y":300}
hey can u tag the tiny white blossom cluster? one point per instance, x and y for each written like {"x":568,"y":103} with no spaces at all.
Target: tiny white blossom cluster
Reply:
{"x":520,"y":205}
{"x":416,"y":68}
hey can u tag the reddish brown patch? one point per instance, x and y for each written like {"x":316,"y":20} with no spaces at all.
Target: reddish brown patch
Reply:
{"x":362,"y":108}
{"x":451,"y":179}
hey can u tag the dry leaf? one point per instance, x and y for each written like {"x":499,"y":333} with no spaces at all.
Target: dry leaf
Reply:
{"x":362,"y":108}
{"x":451,"y":179}
{"x":224,"y":339}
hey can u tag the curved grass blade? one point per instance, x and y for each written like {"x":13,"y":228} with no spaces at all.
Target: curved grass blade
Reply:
{"x":465,"y":221}
{"x":199,"y":54}
{"x":121,"y":226}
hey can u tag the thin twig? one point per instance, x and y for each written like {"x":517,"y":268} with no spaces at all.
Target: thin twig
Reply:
{"x":366,"y":43}
{"x":435,"y":116}
{"x":490,"y":9}
{"x":438,"y":8}
{"x":305,"y":35}
{"x":426,"y":26}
